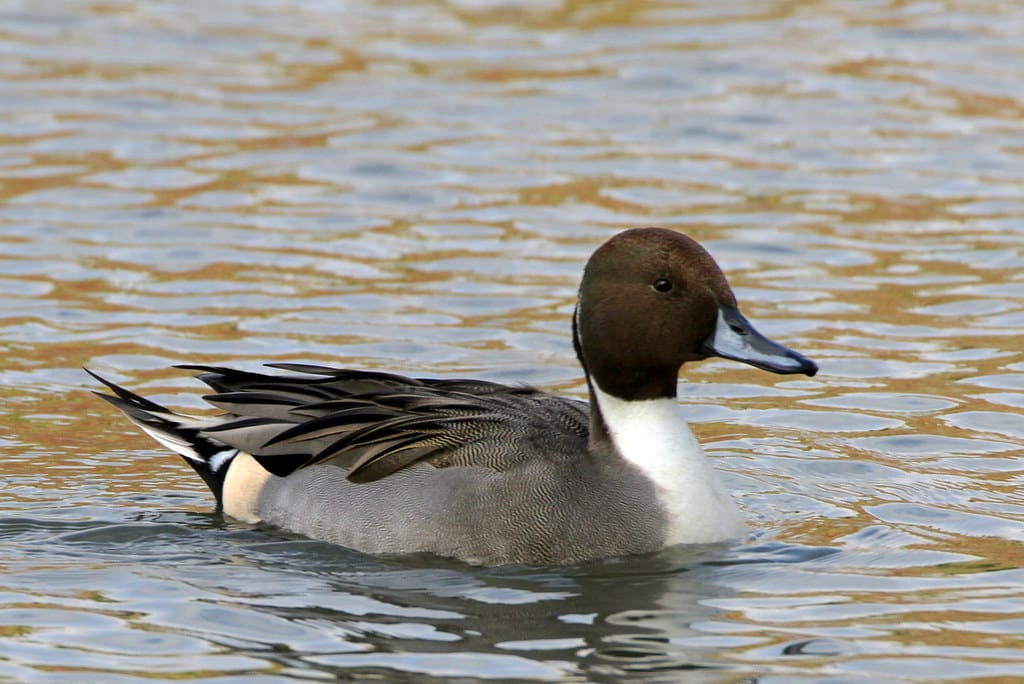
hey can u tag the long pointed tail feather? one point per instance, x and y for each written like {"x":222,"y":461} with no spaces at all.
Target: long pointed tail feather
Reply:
{"x":182,"y":434}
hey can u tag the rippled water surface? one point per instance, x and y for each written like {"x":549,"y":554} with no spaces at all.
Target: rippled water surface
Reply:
{"x":414,"y":186}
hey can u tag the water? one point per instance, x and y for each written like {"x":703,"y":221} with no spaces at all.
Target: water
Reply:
{"x":414,"y":186}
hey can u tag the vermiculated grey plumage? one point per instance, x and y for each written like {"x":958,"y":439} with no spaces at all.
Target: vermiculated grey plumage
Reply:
{"x":488,"y":473}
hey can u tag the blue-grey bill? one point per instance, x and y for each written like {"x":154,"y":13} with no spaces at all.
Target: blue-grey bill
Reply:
{"x":735,"y":338}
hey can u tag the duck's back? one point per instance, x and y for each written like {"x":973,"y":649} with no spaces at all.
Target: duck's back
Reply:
{"x":386,"y":464}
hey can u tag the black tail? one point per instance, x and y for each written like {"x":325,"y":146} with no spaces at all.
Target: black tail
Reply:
{"x":184,"y":435}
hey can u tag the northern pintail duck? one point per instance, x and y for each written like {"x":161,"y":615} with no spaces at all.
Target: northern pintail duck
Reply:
{"x":487,"y":473}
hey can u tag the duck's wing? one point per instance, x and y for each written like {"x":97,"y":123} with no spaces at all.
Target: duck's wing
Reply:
{"x":373,"y":424}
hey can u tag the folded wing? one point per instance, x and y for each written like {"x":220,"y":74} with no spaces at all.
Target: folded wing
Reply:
{"x":373,"y":424}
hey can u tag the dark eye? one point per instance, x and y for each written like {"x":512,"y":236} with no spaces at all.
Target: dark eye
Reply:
{"x":662,"y":285}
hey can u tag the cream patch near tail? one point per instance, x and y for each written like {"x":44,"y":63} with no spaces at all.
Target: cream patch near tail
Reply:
{"x":243,"y":484}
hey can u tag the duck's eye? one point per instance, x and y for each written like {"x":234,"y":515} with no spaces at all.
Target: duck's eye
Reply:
{"x":662,"y":285}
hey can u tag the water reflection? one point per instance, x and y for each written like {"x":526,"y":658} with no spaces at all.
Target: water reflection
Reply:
{"x":222,"y":596}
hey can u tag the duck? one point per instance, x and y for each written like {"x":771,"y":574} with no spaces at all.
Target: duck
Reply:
{"x":487,"y":473}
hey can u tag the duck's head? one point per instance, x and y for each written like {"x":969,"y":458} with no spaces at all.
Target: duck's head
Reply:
{"x":652,"y":299}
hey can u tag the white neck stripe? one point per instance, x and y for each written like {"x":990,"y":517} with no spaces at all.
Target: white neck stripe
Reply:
{"x":653,"y":436}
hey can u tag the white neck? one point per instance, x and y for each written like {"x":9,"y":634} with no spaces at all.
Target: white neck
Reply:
{"x":653,"y":435}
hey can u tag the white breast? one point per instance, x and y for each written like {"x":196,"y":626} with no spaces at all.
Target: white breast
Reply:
{"x":653,"y":435}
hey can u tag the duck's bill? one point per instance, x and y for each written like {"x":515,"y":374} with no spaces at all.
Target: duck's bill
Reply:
{"x":735,"y":338}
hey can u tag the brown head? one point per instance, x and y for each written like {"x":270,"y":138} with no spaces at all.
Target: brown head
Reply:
{"x":652,"y":299}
